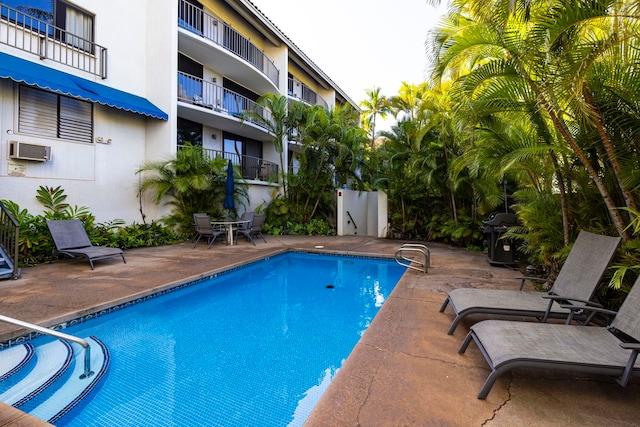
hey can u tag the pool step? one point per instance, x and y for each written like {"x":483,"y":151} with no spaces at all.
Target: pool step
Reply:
{"x":14,"y":359}
{"x":52,"y":386}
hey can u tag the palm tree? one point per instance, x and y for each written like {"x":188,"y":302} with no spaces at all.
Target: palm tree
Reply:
{"x":373,"y":106}
{"x":546,"y":55}
{"x":276,"y":122}
{"x":190,"y":182}
{"x":333,"y":153}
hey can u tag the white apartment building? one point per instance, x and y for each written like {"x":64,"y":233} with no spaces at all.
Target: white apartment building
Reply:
{"x":91,"y":89}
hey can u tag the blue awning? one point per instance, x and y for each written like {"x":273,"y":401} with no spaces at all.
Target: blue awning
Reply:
{"x":32,"y":74}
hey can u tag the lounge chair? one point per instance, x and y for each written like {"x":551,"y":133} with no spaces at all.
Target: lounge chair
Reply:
{"x":245,"y":228}
{"x":71,"y":240}
{"x":576,"y":283}
{"x":608,"y":350}
{"x":204,"y":228}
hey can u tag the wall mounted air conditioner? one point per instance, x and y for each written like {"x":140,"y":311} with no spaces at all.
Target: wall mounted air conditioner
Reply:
{"x":24,"y":151}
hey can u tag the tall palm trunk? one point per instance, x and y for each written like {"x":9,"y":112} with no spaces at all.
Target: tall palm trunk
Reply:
{"x":614,"y":212}
{"x":563,"y":199}
{"x":610,"y":150}
{"x":562,"y":128}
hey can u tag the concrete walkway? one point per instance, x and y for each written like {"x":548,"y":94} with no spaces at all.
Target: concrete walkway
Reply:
{"x":405,"y":371}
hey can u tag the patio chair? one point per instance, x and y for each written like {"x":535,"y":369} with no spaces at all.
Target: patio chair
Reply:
{"x":245,"y":228}
{"x":256,"y":226}
{"x":576,"y":283}
{"x":71,"y":240}
{"x":610,"y":350}
{"x":204,"y":228}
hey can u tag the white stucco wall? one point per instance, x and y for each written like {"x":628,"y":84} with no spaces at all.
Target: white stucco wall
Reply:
{"x":101,"y":176}
{"x":361,"y":213}
{"x":142,"y":41}
{"x":259,"y":195}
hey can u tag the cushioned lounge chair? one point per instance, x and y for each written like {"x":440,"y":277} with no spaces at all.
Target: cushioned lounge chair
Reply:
{"x":608,"y":350}
{"x":576,"y":283}
{"x":71,"y":240}
{"x":204,"y":228}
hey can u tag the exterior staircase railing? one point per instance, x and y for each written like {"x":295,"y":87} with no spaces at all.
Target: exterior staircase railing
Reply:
{"x":9,"y":234}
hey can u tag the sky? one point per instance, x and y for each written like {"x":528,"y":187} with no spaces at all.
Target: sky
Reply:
{"x":359,"y":44}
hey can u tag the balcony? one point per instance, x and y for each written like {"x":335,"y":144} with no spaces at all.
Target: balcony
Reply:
{"x":24,"y":32}
{"x":301,"y":91}
{"x":220,"y":101}
{"x":201,"y":25}
{"x":253,"y":168}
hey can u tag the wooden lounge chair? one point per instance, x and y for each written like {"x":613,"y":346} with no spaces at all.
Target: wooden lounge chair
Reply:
{"x":204,"y":228}
{"x":71,"y":240}
{"x":608,"y":350}
{"x":576,"y":283}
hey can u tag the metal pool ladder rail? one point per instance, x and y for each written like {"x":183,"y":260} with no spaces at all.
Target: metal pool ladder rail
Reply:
{"x":407,"y":254}
{"x":46,"y":331}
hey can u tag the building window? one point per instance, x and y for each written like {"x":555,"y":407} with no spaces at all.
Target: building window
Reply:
{"x":77,"y":23}
{"x":244,"y":152}
{"x":189,"y":132}
{"x":51,"y":115}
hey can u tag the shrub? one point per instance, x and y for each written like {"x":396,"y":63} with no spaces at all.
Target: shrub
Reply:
{"x":35,"y":243}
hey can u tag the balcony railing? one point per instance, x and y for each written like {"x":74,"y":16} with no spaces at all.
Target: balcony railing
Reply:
{"x":196,"y":91}
{"x":251,"y":167}
{"x":305,"y":93}
{"x":195,"y":20}
{"x":24,"y":32}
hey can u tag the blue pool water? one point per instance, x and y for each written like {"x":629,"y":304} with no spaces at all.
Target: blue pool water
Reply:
{"x":252,"y":347}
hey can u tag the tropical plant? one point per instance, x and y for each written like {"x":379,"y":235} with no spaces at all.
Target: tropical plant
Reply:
{"x":374,"y":106}
{"x":190,"y":182}
{"x":35,"y":245}
{"x":563,"y":67}
{"x":271,"y":111}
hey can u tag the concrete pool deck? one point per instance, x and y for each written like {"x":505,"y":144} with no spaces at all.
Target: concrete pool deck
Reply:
{"x":405,"y":370}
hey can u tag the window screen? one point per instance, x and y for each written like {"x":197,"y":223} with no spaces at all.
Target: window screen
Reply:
{"x":48,"y":114}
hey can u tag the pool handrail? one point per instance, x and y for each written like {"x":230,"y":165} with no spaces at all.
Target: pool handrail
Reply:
{"x":412,"y":263}
{"x":46,"y":331}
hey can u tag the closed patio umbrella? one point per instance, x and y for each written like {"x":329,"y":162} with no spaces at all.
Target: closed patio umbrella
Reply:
{"x":229,"y":189}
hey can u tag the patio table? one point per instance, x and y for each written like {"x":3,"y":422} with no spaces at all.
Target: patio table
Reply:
{"x":228,"y":225}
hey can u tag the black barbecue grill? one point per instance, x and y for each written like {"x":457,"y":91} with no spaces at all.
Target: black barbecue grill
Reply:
{"x":499,"y":251}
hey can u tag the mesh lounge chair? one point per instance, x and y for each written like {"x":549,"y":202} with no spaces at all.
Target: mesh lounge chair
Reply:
{"x":608,"y":350}
{"x":245,"y":228}
{"x":204,"y":228}
{"x":576,"y":284}
{"x":256,"y":226}
{"x":71,"y":240}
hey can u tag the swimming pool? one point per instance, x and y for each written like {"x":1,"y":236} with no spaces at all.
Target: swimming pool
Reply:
{"x":253,"y":347}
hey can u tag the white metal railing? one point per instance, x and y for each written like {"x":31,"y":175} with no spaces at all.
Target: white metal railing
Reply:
{"x":195,"y":90}
{"x":46,"y":331}
{"x":197,"y":21}
{"x":39,"y":37}
{"x":251,"y":167}
{"x":406,"y":256}
{"x":305,"y":93}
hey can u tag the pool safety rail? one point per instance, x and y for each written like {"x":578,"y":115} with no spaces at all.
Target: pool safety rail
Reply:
{"x":415,"y":256}
{"x":46,"y":331}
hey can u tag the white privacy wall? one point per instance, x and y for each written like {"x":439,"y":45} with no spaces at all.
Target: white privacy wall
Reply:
{"x":362,"y":213}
